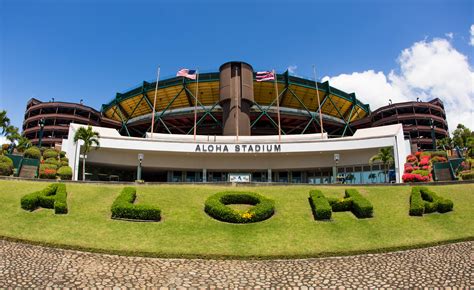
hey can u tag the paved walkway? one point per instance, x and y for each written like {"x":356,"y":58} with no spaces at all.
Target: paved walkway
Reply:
{"x":23,"y":265}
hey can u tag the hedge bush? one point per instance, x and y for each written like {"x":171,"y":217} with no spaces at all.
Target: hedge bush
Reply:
{"x":52,"y":161}
{"x":361,"y":207}
{"x":33,"y":153}
{"x":6,"y":169}
{"x":439,"y":154}
{"x":53,"y":196}
{"x":340,"y":204}
{"x":467,"y":175}
{"x":62,"y":154}
{"x":423,"y":200}
{"x":216,"y":207}
{"x":123,"y":207}
{"x":319,"y":205}
{"x":6,"y":159}
{"x":50,"y":153}
{"x":65,"y":173}
{"x":47,"y":171}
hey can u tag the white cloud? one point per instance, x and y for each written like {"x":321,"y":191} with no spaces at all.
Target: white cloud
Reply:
{"x":427,"y":69}
{"x":3,"y":140}
{"x":292,"y":69}
{"x":472,"y":35}
{"x":449,"y":35}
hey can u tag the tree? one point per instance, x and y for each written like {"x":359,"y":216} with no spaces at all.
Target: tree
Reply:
{"x":11,"y":133}
{"x":445,"y":143}
{"x":4,"y":121}
{"x":385,"y":156}
{"x":461,"y":136}
{"x":90,"y":138}
{"x":23,"y":144}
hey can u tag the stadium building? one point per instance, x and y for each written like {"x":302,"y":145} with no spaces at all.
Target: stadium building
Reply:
{"x":227,"y":126}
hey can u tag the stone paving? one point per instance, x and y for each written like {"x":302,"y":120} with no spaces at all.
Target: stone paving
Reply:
{"x":24,"y":265}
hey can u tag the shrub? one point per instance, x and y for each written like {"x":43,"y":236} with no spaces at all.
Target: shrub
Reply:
{"x":5,"y":159}
{"x":65,"y":173}
{"x":421,"y":172}
{"x":63,"y":163}
{"x":50,"y":153}
{"x":47,"y":171}
{"x":411,"y":159}
{"x":53,"y":196}
{"x":6,"y":169}
{"x":319,"y":205}
{"x":417,"y":205}
{"x":441,"y":154}
{"x":425,"y":154}
{"x":438,"y":159}
{"x":64,"y":159}
{"x":32,"y":152}
{"x":62,"y":154}
{"x":423,"y":200}
{"x":52,"y":161}
{"x":340,"y":204}
{"x":361,"y":207}
{"x":467,"y":175}
{"x":409,"y":177}
{"x":123,"y":207}
{"x":216,"y":207}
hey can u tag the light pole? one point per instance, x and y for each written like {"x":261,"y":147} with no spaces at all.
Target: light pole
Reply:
{"x":433,"y":139}
{"x":41,"y":124}
{"x":336,"y":159}
{"x":139,"y":169}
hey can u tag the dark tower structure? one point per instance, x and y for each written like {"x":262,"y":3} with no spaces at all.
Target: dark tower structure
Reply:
{"x":236,"y":97}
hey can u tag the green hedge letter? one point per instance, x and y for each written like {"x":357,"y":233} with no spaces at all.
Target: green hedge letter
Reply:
{"x":123,"y":207}
{"x":352,"y":201}
{"x":53,"y":196}
{"x":423,"y":200}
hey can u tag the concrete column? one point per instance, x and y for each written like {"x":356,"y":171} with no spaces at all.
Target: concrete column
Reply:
{"x":334,"y":174}
{"x":204,"y":175}
{"x":269,"y":175}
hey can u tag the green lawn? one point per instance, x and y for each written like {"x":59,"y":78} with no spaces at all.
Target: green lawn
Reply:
{"x":187,"y":231}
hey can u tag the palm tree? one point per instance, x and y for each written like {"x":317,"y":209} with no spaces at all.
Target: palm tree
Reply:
{"x":385,"y":155}
{"x":90,"y":138}
{"x":4,"y":121}
{"x":11,"y":133}
{"x":23,"y":144}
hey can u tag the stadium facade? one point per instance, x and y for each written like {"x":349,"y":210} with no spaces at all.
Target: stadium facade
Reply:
{"x":237,"y":134}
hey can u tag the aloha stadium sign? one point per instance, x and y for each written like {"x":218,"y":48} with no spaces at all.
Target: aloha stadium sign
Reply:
{"x":238,"y":148}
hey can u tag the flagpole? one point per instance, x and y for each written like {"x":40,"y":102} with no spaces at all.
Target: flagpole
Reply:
{"x":319,"y":104}
{"x":236,"y":110}
{"x":195,"y":102}
{"x":154,"y":103}
{"x":278,"y":104}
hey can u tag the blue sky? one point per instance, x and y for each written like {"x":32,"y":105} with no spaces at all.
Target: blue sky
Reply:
{"x":73,"y":50}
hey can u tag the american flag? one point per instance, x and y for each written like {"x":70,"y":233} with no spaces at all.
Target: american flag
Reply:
{"x":187,"y":73}
{"x":265,"y":76}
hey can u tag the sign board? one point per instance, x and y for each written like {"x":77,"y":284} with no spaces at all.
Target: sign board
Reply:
{"x":239,"y":177}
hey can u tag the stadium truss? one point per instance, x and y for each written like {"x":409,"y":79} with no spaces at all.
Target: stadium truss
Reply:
{"x":175,"y":104}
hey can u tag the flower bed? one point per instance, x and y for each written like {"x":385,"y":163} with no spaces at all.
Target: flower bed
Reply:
{"x":217,"y":207}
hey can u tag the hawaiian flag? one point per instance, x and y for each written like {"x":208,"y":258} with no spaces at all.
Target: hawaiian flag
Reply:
{"x":187,"y":73}
{"x":265,"y":76}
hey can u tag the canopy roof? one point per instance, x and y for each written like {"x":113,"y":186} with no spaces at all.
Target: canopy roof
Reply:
{"x":178,"y":92}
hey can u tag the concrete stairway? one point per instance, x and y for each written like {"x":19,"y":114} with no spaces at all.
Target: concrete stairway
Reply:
{"x":28,"y":171}
{"x":443,"y":174}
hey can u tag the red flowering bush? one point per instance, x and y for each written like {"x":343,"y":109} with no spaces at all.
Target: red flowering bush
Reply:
{"x":412,"y":158}
{"x":425,"y":161}
{"x":438,"y":159}
{"x":409,"y":177}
